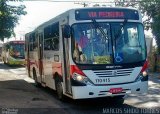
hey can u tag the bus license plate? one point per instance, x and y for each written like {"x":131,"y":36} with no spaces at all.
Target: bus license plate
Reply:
{"x":115,"y":90}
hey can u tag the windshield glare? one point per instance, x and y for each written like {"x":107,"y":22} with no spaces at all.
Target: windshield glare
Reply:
{"x":108,"y":43}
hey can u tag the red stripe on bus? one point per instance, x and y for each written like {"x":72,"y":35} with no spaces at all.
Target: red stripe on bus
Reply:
{"x":33,"y":62}
{"x":57,"y":67}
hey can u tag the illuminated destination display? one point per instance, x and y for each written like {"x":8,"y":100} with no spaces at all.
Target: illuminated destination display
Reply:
{"x":106,"y":13}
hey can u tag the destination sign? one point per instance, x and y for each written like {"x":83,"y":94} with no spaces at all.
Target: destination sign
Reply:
{"x":106,"y":13}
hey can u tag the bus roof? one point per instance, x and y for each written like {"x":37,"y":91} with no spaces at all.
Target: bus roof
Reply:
{"x":85,"y":8}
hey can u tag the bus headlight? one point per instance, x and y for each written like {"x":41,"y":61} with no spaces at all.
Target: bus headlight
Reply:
{"x":80,"y":78}
{"x":144,"y":73}
{"x":143,"y":76}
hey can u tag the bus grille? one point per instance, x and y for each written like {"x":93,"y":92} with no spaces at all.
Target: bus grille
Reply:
{"x":113,"y":73}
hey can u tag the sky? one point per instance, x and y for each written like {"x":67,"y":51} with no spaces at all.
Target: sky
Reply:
{"x":39,"y":12}
{"x":42,"y":11}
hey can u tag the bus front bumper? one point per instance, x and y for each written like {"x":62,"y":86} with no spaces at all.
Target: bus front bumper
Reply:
{"x":16,"y":62}
{"x":83,"y":92}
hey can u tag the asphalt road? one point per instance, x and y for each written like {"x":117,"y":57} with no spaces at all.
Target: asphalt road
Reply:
{"x":19,"y":95}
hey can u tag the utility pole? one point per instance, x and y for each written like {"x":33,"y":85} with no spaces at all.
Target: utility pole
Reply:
{"x":82,"y":3}
{"x":119,"y":2}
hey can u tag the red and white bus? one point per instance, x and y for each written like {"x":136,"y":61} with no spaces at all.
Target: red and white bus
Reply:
{"x":89,"y":53}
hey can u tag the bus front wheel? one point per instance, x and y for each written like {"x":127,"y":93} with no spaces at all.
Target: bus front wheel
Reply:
{"x":59,"y":90}
{"x":35,"y":78}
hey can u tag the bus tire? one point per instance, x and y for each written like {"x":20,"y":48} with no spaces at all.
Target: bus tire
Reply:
{"x":37,"y":84}
{"x":59,"y":90}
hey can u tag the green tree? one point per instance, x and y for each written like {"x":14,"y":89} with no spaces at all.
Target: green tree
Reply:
{"x":151,"y":10}
{"x":9,"y":16}
{"x":127,"y":3}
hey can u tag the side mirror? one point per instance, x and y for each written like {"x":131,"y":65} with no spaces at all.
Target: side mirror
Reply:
{"x":67,"y":31}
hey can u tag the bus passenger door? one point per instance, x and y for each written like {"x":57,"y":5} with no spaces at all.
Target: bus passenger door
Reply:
{"x":40,"y":56}
{"x":66,"y":64}
{"x":27,"y":55}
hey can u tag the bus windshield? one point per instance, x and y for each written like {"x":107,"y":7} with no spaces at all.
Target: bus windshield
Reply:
{"x":108,"y":43}
{"x":17,"y":50}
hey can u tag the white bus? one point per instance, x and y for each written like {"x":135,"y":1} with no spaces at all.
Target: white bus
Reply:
{"x":90,"y":53}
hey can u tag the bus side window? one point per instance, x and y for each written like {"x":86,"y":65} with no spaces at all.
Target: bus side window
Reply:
{"x":47,"y":44}
{"x":51,"y":37}
{"x":32,"y":40}
{"x":31,"y":47}
{"x":47,"y":32}
{"x":55,"y":44}
{"x":55,"y":36}
{"x":35,"y":42}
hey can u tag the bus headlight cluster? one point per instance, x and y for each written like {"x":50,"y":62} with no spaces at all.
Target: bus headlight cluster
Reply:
{"x":144,"y":73}
{"x":81,"y":78}
{"x":141,"y":76}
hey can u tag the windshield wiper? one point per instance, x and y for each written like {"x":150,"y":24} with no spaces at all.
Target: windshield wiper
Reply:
{"x":96,"y":24}
{"x":120,"y":31}
{"x":100,"y":29}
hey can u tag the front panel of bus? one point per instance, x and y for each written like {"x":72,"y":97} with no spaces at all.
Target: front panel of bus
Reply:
{"x":109,"y":53}
{"x":16,"y":52}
